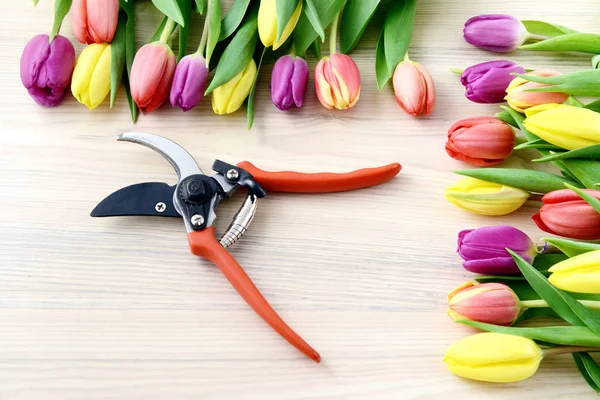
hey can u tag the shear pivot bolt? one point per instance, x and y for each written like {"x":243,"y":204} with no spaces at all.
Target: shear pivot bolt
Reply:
{"x":232,"y":175}
{"x":160,"y":207}
{"x":197,"y":220}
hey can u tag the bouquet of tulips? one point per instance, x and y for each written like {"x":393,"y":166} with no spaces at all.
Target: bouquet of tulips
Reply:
{"x":519,"y":281}
{"x":230,"y":54}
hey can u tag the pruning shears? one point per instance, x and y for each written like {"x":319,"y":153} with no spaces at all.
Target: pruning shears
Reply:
{"x":196,"y":196}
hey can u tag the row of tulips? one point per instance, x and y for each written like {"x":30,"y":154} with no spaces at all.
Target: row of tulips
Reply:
{"x":518,"y":280}
{"x":48,"y":64}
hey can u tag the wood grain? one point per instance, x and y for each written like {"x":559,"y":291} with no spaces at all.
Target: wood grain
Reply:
{"x":119,"y":309}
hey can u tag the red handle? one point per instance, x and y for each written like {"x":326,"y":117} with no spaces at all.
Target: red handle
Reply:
{"x":204,"y":244}
{"x":296,"y":182}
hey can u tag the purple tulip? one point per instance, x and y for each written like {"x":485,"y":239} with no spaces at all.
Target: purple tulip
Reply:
{"x":46,"y":69}
{"x":189,"y":82}
{"x":288,"y":82}
{"x":484,"y":249}
{"x":487,"y":82}
{"x":495,"y":32}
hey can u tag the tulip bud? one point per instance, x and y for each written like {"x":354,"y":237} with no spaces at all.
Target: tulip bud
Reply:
{"x":480,"y":141}
{"x":494,"y":357}
{"x":267,"y":23}
{"x":566,"y":214}
{"x":484,"y":249}
{"x":189,"y":82}
{"x":91,"y":77}
{"x":519,"y":99}
{"x":288,"y":82}
{"x":491,"y":303}
{"x":95,"y":21}
{"x":337,"y":82}
{"x":487,"y":82}
{"x":579,"y":274}
{"x":413,"y":88}
{"x":495,"y":32}
{"x":485,"y":198}
{"x":46,"y":68}
{"x":230,"y":96}
{"x":151,"y":75}
{"x":565,"y":126}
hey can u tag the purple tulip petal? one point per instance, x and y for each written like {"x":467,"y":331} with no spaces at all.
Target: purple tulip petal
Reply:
{"x":189,"y":82}
{"x":493,"y":266}
{"x":299,"y":81}
{"x":288,"y":82}
{"x":487,"y":82}
{"x":495,"y":32}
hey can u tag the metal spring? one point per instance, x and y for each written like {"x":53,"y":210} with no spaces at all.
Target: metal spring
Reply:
{"x":241,"y":221}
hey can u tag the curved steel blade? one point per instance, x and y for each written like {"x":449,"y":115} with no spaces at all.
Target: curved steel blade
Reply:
{"x":151,"y":199}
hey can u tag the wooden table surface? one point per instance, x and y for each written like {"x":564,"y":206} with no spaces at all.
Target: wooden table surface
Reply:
{"x":119,"y":309}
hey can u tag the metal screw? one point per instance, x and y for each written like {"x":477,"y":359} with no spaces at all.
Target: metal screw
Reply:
{"x":197,"y":220}
{"x":160,"y":207}
{"x":232,"y":175}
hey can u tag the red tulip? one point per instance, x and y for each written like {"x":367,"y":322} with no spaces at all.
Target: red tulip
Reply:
{"x":95,"y":21}
{"x":566,"y":214}
{"x":480,"y":141}
{"x":414,"y":88}
{"x":151,"y":75}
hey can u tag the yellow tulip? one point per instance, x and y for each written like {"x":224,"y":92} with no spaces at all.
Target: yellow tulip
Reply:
{"x":230,"y":96}
{"x":565,"y":126}
{"x":267,"y":23}
{"x":580,"y":274}
{"x":91,"y":78}
{"x":486,"y":198}
{"x":494,"y":357}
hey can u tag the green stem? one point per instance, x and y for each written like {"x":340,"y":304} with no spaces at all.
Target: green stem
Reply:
{"x":405,"y":58}
{"x":204,"y":37}
{"x":293,"y":51}
{"x":167,"y":31}
{"x":521,"y":140}
{"x":457,"y":71}
{"x":532,"y":36}
{"x":333,"y":34}
{"x":567,"y":349}
{"x":591,"y":304}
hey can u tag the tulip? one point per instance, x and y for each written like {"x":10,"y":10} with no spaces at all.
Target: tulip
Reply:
{"x":492,"y":303}
{"x":95,"y":21}
{"x":566,"y":214}
{"x":580,"y":274}
{"x":485,"y":198}
{"x":229,"y":97}
{"x":288,"y":82}
{"x":189,"y":82}
{"x":487,"y":82}
{"x":480,"y":141}
{"x":495,"y":32}
{"x":46,"y":69}
{"x":91,"y":77}
{"x":337,"y":82}
{"x":565,"y":126}
{"x":413,"y":88}
{"x":519,"y":99}
{"x":267,"y":23}
{"x":151,"y":75}
{"x":494,"y":357}
{"x":484,"y":249}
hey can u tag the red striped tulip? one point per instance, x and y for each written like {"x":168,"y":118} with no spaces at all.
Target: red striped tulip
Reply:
{"x":337,"y":82}
{"x":519,"y":99}
{"x":480,"y":141}
{"x":414,"y":88}
{"x":95,"y":21}
{"x":151,"y":75}
{"x":492,"y":303}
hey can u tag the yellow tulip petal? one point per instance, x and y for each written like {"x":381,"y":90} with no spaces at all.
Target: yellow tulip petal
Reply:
{"x":585,"y":260}
{"x":82,"y":74}
{"x":538,"y":109}
{"x":515,"y":83}
{"x":485,"y":198}
{"x":100,"y":81}
{"x":267,"y":22}
{"x":289,"y":28}
{"x":243,"y":87}
{"x":579,"y":282}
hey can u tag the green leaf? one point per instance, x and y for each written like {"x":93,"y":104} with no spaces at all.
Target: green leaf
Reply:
{"x":315,"y":48}
{"x":251,"y":96}
{"x":572,"y":101}
{"x":546,"y":29}
{"x":117,"y":57}
{"x":186,"y":10}
{"x":571,"y":248}
{"x":381,"y":69}
{"x":61,"y":9}
{"x":589,"y":370}
{"x":582,"y":83}
{"x":594,"y":106}
{"x":586,"y":171}
{"x":201,"y":6}
{"x":538,"y":144}
{"x":35,"y":2}
{"x":238,"y":53}
{"x":284,"y":9}
{"x":543,"y":262}
{"x":132,"y":105}
{"x":171,"y":9}
{"x":531,"y":313}
{"x":589,"y":152}
{"x":397,"y":31}
{"x":529,"y":180}
{"x":311,"y":13}
{"x":159,"y":30}
{"x":129,"y":53}
{"x":234,"y":18}
{"x":591,"y":200}
{"x":596,"y":61}
{"x":579,"y":42}
{"x":355,"y":17}
{"x":506,"y":117}
{"x":214,"y":27}
{"x":304,"y":33}
{"x":563,"y":335}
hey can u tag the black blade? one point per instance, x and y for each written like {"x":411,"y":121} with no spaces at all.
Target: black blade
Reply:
{"x":139,"y":199}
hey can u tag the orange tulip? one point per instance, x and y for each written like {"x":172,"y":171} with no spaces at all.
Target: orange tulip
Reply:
{"x":95,"y":21}
{"x":520,"y":100}
{"x":414,"y":88}
{"x":337,"y":82}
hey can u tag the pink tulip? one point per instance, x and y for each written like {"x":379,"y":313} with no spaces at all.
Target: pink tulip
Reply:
{"x":151,"y":75}
{"x":414,"y":88}
{"x":95,"y":21}
{"x":337,"y":82}
{"x":519,"y":99}
{"x":492,"y":303}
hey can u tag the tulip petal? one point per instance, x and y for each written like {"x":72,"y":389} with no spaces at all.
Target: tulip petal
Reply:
{"x":79,"y":20}
{"x":267,"y":22}
{"x":100,"y":80}
{"x":299,"y":81}
{"x":82,"y":74}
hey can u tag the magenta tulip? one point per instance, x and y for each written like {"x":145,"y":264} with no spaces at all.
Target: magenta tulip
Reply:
{"x":189,"y":82}
{"x":288,"y":82}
